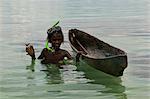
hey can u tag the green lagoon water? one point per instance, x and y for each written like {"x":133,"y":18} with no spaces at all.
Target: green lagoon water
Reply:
{"x":121,"y":23}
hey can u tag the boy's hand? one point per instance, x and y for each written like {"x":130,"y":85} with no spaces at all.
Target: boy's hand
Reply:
{"x":30,"y":50}
{"x":78,"y":55}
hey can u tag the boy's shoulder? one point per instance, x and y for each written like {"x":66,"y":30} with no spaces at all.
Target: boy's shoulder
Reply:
{"x":64,"y":51}
{"x":61,"y":50}
{"x":45,"y":49}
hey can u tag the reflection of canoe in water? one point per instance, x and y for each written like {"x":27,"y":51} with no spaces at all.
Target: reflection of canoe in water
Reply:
{"x":111,"y":84}
{"x":97,"y":53}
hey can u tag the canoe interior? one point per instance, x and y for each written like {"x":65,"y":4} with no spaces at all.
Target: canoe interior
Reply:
{"x":91,"y":46}
{"x":97,"y":53}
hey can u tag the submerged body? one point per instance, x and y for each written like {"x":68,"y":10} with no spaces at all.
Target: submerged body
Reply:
{"x":55,"y":55}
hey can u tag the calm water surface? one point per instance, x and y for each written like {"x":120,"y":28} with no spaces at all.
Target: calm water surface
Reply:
{"x":121,"y":23}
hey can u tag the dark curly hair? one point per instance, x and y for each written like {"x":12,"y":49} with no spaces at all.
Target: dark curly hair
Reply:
{"x":54,"y":30}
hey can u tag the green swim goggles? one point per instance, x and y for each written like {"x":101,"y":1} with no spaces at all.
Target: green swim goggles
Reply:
{"x":46,"y":44}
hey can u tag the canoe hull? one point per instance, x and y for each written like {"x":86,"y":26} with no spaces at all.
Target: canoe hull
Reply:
{"x":114,"y":66}
{"x":94,"y":53}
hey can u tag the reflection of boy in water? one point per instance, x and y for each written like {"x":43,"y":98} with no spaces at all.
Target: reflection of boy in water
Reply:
{"x":55,"y":37}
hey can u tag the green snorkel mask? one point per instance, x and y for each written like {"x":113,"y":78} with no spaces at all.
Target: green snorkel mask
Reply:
{"x":46,"y":44}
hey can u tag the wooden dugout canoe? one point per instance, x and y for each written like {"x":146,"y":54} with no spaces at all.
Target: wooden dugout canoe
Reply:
{"x":97,"y":53}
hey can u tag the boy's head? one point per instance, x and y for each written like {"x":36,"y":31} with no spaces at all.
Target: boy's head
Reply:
{"x":55,"y":36}
{"x":54,"y":30}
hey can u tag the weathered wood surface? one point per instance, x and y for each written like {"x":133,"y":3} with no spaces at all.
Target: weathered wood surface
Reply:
{"x":97,"y":53}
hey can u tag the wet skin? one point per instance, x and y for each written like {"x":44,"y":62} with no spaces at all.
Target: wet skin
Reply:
{"x":56,"y":41}
{"x":51,"y":57}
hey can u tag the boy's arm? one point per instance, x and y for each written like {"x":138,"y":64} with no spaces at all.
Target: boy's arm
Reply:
{"x":30,"y":51}
{"x":68,"y":59}
{"x":42,"y":54}
{"x":67,"y":54}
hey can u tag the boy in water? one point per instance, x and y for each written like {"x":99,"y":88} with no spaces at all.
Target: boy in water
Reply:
{"x":54,"y":54}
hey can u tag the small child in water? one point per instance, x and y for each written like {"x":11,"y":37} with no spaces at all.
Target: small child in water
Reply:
{"x":55,"y":55}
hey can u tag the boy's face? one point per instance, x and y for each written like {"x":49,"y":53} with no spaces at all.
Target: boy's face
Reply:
{"x":56,"y":40}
